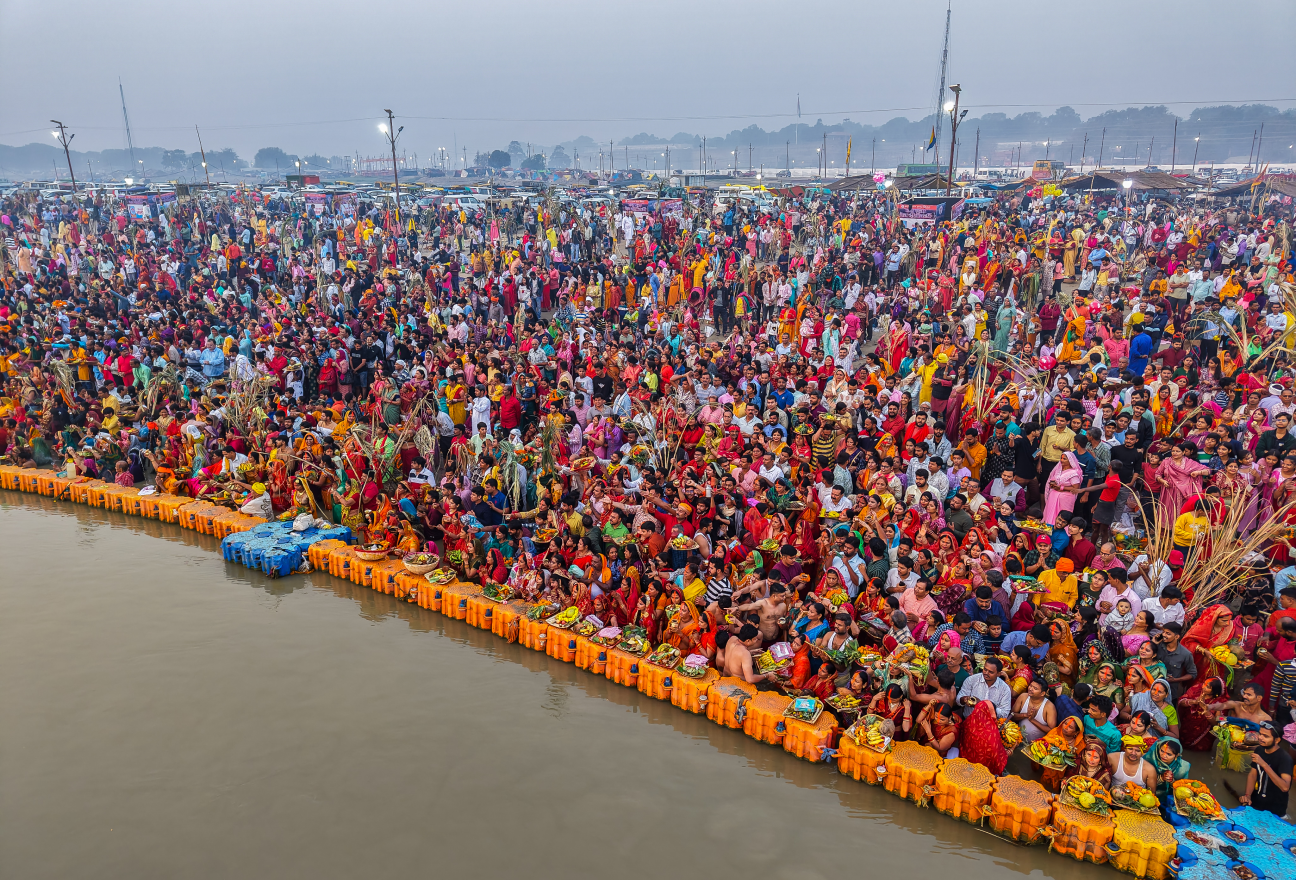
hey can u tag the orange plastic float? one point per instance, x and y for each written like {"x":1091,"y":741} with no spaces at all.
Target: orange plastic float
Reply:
{"x":622,"y":667}
{"x":963,"y":789}
{"x":382,"y":577}
{"x":534,"y":634}
{"x":693,"y":694}
{"x":727,"y":702}
{"x":481,"y":611}
{"x":506,"y":621}
{"x":591,"y":655}
{"x":168,"y":507}
{"x":561,"y":644}
{"x":911,"y":769}
{"x":1081,"y":834}
{"x":1142,"y":845}
{"x":80,"y":492}
{"x":408,"y":585}
{"x":859,"y":762}
{"x":454,"y":599}
{"x":318,"y":553}
{"x":9,"y":477}
{"x":29,"y":479}
{"x":656,"y":681}
{"x":1020,"y":810}
{"x":765,"y":720}
{"x":340,"y":560}
{"x":809,"y":741}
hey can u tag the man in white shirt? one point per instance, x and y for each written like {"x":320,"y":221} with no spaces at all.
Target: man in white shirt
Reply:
{"x":986,"y":685}
{"x":1166,"y":608}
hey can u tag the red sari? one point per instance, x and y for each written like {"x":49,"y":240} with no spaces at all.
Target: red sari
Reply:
{"x":980,"y":742}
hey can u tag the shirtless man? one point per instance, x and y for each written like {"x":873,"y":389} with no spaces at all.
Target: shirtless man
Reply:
{"x":1250,"y":706}
{"x":1128,"y":764}
{"x":738,"y":656}
{"x":771,"y":611}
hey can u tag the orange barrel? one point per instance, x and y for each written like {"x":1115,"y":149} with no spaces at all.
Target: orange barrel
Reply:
{"x":808,"y":741}
{"x":727,"y":702}
{"x":1081,"y":834}
{"x":1020,"y":809}
{"x":407,"y":585}
{"x":58,"y":486}
{"x":507,"y":620}
{"x":623,"y":667}
{"x":561,"y":644}
{"x":1142,"y":845}
{"x":591,"y":655}
{"x":859,"y":762}
{"x":362,"y":571}
{"x":534,"y":634}
{"x":150,"y":506}
{"x":80,"y":491}
{"x":9,"y":476}
{"x":318,"y":553}
{"x":911,"y":768}
{"x":481,"y":611}
{"x":693,"y":694}
{"x":656,"y":681}
{"x":765,"y":720}
{"x":962,"y":789}
{"x":340,"y":560}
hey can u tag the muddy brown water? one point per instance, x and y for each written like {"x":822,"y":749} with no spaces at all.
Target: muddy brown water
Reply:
{"x":164,"y":713}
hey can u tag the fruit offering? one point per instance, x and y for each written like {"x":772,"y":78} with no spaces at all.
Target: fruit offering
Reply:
{"x":1087,"y":794}
{"x":1194,"y":801}
{"x":1010,"y":734}
{"x":1132,"y":796}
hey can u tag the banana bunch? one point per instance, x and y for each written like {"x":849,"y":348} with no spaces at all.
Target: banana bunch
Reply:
{"x":1224,"y":655}
{"x":873,"y":736}
{"x":1011,"y":734}
{"x":566,"y":617}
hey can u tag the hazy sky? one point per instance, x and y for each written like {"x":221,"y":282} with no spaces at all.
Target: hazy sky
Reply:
{"x":315,"y":76}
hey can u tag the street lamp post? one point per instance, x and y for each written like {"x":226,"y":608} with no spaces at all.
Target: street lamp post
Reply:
{"x":1128,"y":184}
{"x":1196,"y":145}
{"x":955,"y":119}
{"x":392,"y":133}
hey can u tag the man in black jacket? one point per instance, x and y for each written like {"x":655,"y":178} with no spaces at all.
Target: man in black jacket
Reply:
{"x":1279,"y":439}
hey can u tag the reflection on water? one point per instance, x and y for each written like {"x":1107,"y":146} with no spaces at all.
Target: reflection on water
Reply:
{"x":160,"y":718}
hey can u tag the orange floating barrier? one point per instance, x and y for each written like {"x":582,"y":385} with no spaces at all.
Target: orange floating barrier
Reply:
{"x":860,"y":762}
{"x":186,"y":516}
{"x":765,"y":720}
{"x":692,"y":694}
{"x":808,"y":741}
{"x":9,"y":476}
{"x":507,"y":619}
{"x":454,"y":599}
{"x":963,"y":789}
{"x":1081,"y":834}
{"x":727,"y":702}
{"x":910,"y":770}
{"x":79,"y":492}
{"x":432,"y":596}
{"x":534,"y":634}
{"x":317,"y":554}
{"x":408,"y":584}
{"x":622,"y":667}
{"x":561,"y":644}
{"x":29,"y":479}
{"x":340,"y":560}
{"x":168,"y":507}
{"x":98,"y":494}
{"x":656,"y":681}
{"x":1142,"y":845}
{"x":1020,"y":809}
{"x":591,"y":655}
{"x":481,"y":611}
{"x":382,"y":575}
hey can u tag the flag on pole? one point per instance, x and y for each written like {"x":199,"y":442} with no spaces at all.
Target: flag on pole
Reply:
{"x":848,"y":149}
{"x":932,"y":142}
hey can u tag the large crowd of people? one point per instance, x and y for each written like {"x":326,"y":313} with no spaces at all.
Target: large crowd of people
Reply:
{"x":1014,"y":438}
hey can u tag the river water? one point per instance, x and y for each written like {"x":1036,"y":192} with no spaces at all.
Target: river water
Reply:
{"x":164,"y":713}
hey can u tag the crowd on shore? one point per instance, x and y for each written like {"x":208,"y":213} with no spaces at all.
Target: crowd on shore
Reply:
{"x":1022,"y":440}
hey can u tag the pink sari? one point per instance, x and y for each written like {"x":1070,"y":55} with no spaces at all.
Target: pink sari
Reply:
{"x":1056,"y":501}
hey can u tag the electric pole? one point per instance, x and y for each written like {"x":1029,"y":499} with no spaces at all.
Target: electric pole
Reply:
{"x":204,"y":156}
{"x":1174,"y":146}
{"x":954,"y":121}
{"x":392,"y":133}
{"x":976,"y":160}
{"x":63,"y":139}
